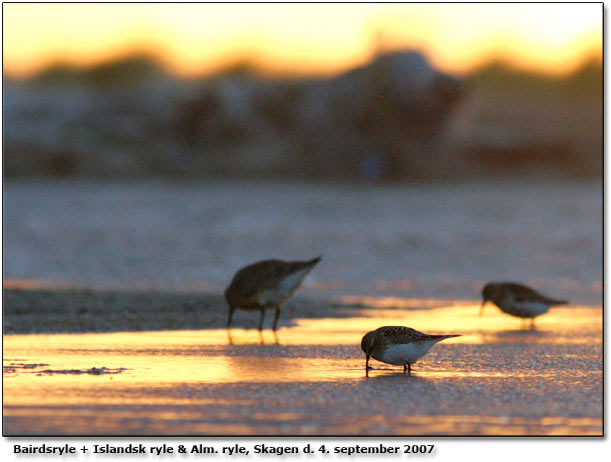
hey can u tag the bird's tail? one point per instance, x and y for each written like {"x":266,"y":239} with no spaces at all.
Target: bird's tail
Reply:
{"x":314,"y":261}
{"x":439,"y":338}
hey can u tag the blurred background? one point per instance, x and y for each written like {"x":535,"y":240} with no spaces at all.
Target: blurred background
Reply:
{"x":358,"y":92}
{"x":422,"y":149}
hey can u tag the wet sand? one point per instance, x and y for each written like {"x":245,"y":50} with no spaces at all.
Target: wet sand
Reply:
{"x":29,"y":311}
{"x":184,"y":374}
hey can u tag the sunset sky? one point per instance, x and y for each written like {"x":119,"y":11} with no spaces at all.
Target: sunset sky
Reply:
{"x":301,"y":38}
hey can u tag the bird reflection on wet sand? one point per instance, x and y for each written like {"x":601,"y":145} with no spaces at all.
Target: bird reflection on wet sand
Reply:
{"x":231,"y":341}
{"x":544,"y":382}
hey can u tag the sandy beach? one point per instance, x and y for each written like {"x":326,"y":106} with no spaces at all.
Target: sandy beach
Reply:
{"x":86,"y":310}
{"x":114,"y":319}
{"x":154,"y":363}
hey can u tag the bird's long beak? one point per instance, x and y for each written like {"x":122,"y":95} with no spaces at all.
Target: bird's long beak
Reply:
{"x":481,"y":309}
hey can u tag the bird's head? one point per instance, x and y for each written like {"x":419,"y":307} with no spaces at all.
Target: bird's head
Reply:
{"x":488,"y":293}
{"x":367,"y":342}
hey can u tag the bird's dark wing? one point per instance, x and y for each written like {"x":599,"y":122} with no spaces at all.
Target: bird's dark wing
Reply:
{"x":400,"y":334}
{"x":265,"y":274}
{"x":526,"y":294}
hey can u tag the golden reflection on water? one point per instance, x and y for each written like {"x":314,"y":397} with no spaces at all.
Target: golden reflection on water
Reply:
{"x":160,"y":372}
{"x":177,"y":356}
{"x":582,"y":324}
{"x":493,"y":425}
{"x":156,"y":363}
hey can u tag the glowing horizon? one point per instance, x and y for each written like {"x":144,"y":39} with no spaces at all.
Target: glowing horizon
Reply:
{"x":193,"y":39}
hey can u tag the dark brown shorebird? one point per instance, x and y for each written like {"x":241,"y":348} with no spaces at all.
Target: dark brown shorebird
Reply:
{"x":518,"y":300}
{"x":398,"y":345}
{"x":266,"y":284}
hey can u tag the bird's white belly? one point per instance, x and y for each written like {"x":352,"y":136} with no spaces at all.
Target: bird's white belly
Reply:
{"x":270,"y":297}
{"x":526,"y":309}
{"x":278,"y":295}
{"x":405,"y":353}
{"x":290,"y":283}
{"x":536,"y":308}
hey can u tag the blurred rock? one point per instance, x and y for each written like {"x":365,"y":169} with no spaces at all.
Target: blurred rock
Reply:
{"x":395,"y":118}
{"x":389,"y":114}
{"x":379,"y":121}
{"x":513,"y":123}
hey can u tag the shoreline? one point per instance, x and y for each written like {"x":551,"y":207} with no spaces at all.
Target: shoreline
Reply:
{"x":50,"y":311}
{"x":100,"y":310}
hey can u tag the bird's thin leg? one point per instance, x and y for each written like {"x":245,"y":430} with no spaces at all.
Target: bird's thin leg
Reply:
{"x":409,"y":369}
{"x":404,"y":368}
{"x":367,"y":366}
{"x":230,"y":317}
{"x":261,"y":320}
{"x":276,"y":317}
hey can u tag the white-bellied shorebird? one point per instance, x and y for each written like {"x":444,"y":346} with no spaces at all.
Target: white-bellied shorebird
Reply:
{"x":266,"y":284}
{"x":517,"y":300}
{"x":398,"y":345}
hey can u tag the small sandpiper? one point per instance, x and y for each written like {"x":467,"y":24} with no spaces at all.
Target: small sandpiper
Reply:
{"x":398,"y":345}
{"x":266,"y":284}
{"x":518,"y":300}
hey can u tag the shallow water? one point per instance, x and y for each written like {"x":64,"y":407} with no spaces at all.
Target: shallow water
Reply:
{"x":419,"y":240}
{"x":497,"y":379}
{"x":414,"y":255}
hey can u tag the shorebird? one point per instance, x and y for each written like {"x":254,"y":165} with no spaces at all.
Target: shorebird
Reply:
{"x":518,"y":300}
{"x":398,"y":345}
{"x":266,"y":284}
